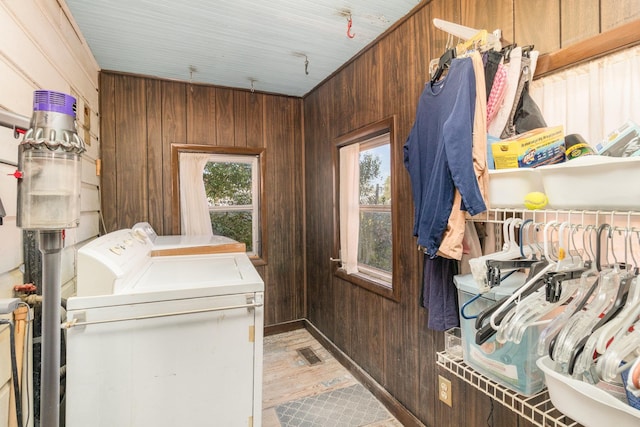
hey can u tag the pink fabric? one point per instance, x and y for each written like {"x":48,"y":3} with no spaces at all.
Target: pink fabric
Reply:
{"x":498,"y":90}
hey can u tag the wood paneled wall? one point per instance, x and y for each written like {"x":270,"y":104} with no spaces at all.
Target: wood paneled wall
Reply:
{"x":390,"y":340}
{"x":142,"y":117}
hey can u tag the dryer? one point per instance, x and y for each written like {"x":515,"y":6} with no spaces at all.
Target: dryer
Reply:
{"x":187,"y":245}
{"x":163,"y":341}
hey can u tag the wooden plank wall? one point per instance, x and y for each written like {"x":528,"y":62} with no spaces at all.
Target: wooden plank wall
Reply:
{"x":390,"y":340}
{"x":142,"y":117}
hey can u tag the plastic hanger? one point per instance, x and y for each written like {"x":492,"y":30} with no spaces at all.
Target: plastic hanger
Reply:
{"x":477,"y":42}
{"x":608,"y":333}
{"x":534,"y":265}
{"x":532,"y":283}
{"x":621,"y":325}
{"x":484,"y":331}
{"x":494,"y":274}
{"x":538,"y":304}
{"x":582,"y":354}
{"x":511,"y":250}
{"x":571,"y":339}
{"x":549,"y":335}
{"x":620,"y":352}
{"x":467,"y":33}
{"x":443,"y":63}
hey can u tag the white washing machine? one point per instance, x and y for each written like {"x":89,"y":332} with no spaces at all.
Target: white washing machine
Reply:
{"x":163,"y":341}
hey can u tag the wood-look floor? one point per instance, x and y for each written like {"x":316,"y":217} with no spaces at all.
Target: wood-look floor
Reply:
{"x":288,"y":376}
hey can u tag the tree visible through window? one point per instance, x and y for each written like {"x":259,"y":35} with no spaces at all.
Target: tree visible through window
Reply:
{"x":366,"y":248}
{"x":231,"y":186}
{"x":374,"y":246}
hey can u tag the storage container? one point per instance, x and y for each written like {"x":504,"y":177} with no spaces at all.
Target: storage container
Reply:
{"x":508,"y":187}
{"x":512,"y":365}
{"x":592,"y":183}
{"x":586,"y":403}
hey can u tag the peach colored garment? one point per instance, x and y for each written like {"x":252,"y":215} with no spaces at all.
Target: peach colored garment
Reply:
{"x":451,"y":245}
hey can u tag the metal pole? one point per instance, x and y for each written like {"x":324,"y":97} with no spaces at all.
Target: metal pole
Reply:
{"x":50,"y":244}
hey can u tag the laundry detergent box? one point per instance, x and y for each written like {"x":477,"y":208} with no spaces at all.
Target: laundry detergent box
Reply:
{"x":537,"y":147}
{"x":510,"y":364}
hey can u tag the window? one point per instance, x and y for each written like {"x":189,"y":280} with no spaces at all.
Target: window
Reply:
{"x":231,"y":184}
{"x":365,"y":206}
{"x":220,"y":192}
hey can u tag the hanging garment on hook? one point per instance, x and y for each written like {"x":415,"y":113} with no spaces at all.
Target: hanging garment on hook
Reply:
{"x":493,"y":62}
{"x":513,"y":76}
{"x":498,"y":91}
{"x":451,"y":245}
{"x":438,"y":154}
{"x":439,"y":294}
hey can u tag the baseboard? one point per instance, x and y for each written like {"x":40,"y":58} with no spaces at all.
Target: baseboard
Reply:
{"x":284,"y":327}
{"x":396,"y":408}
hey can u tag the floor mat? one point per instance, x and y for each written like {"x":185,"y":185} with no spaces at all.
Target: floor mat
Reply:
{"x":346,"y":407}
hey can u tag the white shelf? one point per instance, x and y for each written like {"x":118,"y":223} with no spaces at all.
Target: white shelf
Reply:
{"x":574,"y":216}
{"x":537,"y":408}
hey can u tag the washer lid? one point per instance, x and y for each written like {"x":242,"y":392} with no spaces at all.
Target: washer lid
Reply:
{"x":181,"y":277}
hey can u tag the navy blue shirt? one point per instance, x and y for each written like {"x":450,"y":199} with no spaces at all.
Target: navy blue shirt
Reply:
{"x":438,"y":153}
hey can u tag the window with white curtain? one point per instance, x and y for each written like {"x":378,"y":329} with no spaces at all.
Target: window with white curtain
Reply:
{"x":364,"y":214}
{"x":221,"y":193}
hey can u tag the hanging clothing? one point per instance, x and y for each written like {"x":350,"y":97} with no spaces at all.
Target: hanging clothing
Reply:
{"x":451,"y":245}
{"x":438,"y":153}
{"x":498,"y":91}
{"x":513,"y":77}
{"x":439,"y":293}
{"x":510,"y":127}
{"x":493,"y":62}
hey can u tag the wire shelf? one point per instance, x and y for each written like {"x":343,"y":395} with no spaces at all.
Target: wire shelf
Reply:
{"x":537,"y":408}
{"x":575,"y":216}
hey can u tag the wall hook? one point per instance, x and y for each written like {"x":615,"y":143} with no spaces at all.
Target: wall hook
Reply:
{"x":349,"y":23}
{"x":192,"y":70}
{"x":306,"y":65}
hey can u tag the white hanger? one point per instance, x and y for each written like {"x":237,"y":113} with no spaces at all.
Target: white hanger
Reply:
{"x":611,"y":363}
{"x":581,"y":324}
{"x":587,"y":288}
{"x":531,"y":282}
{"x":611,"y":331}
{"x":510,"y":250}
{"x":536,"y":305}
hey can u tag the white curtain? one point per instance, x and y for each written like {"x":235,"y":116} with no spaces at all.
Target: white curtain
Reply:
{"x":349,"y":206}
{"x":592,"y":99}
{"x":194,"y":209}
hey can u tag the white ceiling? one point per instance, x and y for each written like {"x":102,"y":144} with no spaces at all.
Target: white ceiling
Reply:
{"x":233,"y":43}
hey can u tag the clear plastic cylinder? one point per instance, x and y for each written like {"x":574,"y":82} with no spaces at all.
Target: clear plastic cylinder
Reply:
{"x":49,"y":190}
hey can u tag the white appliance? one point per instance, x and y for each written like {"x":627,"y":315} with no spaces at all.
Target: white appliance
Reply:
{"x":181,"y":241}
{"x":163,"y":341}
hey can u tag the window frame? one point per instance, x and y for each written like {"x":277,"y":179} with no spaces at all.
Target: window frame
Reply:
{"x":369,"y":282}
{"x":259,"y":258}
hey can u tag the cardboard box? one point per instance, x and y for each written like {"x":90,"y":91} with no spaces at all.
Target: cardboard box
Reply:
{"x":622,"y":142}
{"x":543,"y":146}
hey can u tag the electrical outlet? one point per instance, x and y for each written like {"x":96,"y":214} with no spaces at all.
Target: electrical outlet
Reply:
{"x":444,"y":390}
